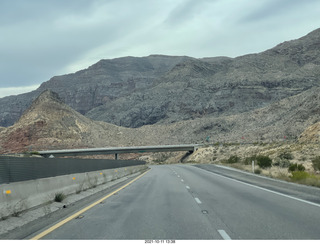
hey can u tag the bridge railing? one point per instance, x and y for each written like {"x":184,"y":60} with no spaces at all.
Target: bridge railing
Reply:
{"x":119,"y":150}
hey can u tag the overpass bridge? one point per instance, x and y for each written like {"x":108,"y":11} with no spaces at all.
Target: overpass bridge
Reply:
{"x":117,"y":150}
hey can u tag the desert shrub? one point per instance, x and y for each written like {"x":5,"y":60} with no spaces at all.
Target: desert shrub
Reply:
{"x":248,"y":160}
{"x":282,"y":162}
{"x":305,"y":178}
{"x":299,"y":175}
{"x":59,"y":197}
{"x":286,"y":155}
{"x":296,"y":167}
{"x":233,"y":159}
{"x":316,"y":163}
{"x":313,"y":180}
{"x":264,"y":161}
{"x":257,"y":171}
{"x":303,"y":158}
{"x":301,"y":167}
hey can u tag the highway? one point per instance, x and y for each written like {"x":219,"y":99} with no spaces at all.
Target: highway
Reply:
{"x":185,"y":202}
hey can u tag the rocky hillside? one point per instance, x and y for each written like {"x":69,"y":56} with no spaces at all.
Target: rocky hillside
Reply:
{"x":50,"y":124}
{"x":133,"y":92}
{"x":283,"y":120}
{"x":223,"y":86}
{"x":311,"y":134}
{"x":101,"y":83}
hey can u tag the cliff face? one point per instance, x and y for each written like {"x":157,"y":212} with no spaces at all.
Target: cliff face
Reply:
{"x":50,"y":124}
{"x":220,"y":86}
{"x":158,"y":89}
{"x":99,"y":84}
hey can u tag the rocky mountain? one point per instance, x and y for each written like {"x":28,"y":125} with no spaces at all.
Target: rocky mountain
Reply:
{"x":51,"y":124}
{"x":218,"y":87}
{"x":101,"y":83}
{"x":192,"y":96}
{"x":283,"y":120}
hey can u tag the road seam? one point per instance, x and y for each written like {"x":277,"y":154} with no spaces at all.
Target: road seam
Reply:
{"x":56,"y":226}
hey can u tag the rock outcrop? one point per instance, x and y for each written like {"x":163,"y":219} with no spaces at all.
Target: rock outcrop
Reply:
{"x":51,"y":124}
{"x":99,"y":84}
{"x":258,"y":97}
{"x":219,"y":87}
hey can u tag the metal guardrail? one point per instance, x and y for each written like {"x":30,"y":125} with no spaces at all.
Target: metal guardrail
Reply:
{"x":118,"y":150}
{"x":13,"y":169}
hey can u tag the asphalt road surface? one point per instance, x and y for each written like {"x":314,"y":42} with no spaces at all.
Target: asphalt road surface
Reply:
{"x":186,"y":202}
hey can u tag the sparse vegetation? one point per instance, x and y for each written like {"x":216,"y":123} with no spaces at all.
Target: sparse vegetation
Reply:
{"x":299,"y":175}
{"x":286,"y":155}
{"x":19,"y":207}
{"x":296,"y":167}
{"x":264,"y":161}
{"x":273,"y":159}
{"x":161,"y":157}
{"x":59,"y":197}
{"x":233,"y":159}
{"x":305,"y":178}
{"x":281,"y":162}
{"x":248,"y":160}
{"x":80,"y":188}
{"x":93,"y":182}
{"x":316,"y":163}
{"x":257,"y":171}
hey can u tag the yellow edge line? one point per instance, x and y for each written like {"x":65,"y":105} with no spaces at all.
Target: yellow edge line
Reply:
{"x":56,"y":226}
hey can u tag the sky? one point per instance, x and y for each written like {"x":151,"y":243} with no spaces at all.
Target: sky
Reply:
{"x":40,"y":39}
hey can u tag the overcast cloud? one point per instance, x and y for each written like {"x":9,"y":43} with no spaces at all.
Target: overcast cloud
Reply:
{"x":43,"y":38}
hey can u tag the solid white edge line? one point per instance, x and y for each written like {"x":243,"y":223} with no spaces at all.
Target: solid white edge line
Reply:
{"x":224,"y":235}
{"x":264,"y":189}
{"x":197,"y":200}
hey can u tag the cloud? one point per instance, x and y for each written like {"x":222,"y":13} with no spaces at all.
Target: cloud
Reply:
{"x":40,"y":39}
{"x":187,"y":11}
{"x":275,"y":10}
{"x":16,"y":90}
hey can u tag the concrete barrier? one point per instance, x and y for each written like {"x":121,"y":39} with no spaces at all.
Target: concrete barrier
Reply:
{"x":20,"y":196}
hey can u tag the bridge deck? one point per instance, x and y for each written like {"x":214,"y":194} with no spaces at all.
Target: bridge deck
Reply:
{"x":118,"y":150}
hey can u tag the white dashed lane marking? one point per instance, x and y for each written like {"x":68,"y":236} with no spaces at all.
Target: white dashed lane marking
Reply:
{"x":197,"y":200}
{"x":224,"y":235}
